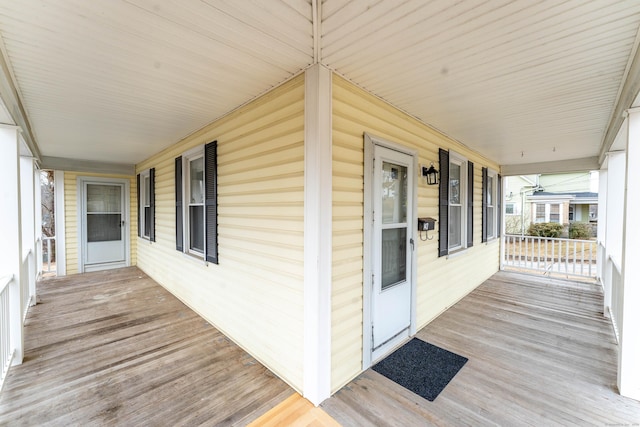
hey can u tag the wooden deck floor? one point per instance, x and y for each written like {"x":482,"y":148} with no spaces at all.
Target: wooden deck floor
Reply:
{"x":540,"y":353}
{"x":115,"y":348}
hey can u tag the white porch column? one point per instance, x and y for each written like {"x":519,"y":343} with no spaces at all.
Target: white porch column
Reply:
{"x":317,"y":234}
{"x":629,"y":354}
{"x":28,"y":219}
{"x":10,"y":230}
{"x":602,"y":222}
{"x":614,"y":218}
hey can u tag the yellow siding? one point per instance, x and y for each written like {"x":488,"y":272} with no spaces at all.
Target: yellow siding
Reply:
{"x":255,"y":294}
{"x":441,"y":281}
{"x":71,"y":216}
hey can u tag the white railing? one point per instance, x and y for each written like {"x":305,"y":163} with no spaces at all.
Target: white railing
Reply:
{"x":50,"y":255}
{"x":6,"y":352}
{"x":616,"y":297}
{"x":27,"y":270}
{"x":569,"y":257}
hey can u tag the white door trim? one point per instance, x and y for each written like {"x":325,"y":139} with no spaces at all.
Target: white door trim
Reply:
{"x":81,"y":181}
{"x":368,"y":356}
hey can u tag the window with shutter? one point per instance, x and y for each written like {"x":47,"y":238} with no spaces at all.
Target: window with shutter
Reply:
{"x":196,"y":202}
{"x":146,"y":204}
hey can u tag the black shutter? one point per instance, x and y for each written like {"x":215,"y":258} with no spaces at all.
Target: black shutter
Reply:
{"x":139,"y":204}
{"x":211,"y":201}
{"x":499,"y":211}
{"x":485,"y":184}
{"x":469,"y":204}
{"x":179,"y":244}
{"x":152,"y":204}
{"x":443,"y":229}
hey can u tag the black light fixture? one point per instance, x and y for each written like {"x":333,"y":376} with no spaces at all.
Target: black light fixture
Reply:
{"x":431,"y":173}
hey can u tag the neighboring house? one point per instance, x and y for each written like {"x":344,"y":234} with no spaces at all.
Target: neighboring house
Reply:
{"x":561,"y":198}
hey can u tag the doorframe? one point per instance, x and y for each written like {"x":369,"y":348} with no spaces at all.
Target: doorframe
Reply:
{"x":368,"y":357}
{"x":81,"y":181}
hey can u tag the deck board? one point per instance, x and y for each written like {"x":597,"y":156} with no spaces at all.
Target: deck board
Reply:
{"x":115,"y":348}
{"x":540,"y":353}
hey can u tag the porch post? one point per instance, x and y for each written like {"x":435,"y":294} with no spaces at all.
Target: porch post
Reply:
{"x":629,"y":354}
{"x":602,"y":224}
{"x":27,"y":217}
{"x":10,"y":230}
{"x":317,"y":234}
{"x":614,"y":219}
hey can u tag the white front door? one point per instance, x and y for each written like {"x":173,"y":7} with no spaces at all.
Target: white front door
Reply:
{"x":392,"y":247}
{"x":104,"y":233}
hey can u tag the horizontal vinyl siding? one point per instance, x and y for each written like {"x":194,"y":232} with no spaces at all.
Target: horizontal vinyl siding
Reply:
{"x":72,"y":246}
{"x":255,"y":294}
{"x":440,"y":281}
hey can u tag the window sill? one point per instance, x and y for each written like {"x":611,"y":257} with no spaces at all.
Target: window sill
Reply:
{"x":195,"y":258}
{"x":457,"y":253}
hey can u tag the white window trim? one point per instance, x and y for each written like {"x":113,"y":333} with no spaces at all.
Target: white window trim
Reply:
{"x":515,"y":208}
{"x":462,"y":161}
{"x":145,"y":200}
{"x":493,"y":175}
{"x":547,"y":212}
{"x":187,"y":157}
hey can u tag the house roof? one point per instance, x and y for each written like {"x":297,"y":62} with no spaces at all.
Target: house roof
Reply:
{"x":518,"y":81}
{"x":575,"y":196}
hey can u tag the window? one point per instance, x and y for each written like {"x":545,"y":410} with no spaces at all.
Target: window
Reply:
{"x":554,"y":212}
{"x":572,"y":209}
{"x":146,"y":204}
{"x":548,"y":212}
{"x":511,"y":209}
{"x":593,"y":212}
{"x":196,"y":202}
{"x":456,"y":203}
{"x":490,"y":204}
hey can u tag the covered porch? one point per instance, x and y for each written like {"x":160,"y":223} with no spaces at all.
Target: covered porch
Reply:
{"x":115,"y":348}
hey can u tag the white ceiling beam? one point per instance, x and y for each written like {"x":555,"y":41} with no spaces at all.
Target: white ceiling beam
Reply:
{"x":561,"y":166}
{"x":627,"y":94}
{"x":13,"y":104}
{"x":316,"y":17}
{"x":76,"y":165}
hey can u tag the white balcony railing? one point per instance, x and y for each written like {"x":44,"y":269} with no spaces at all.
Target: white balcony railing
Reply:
{"x":49,"y":253}
{"x":568,"y":257}
{"x":27,"y":276}
{"x":6,"y":352}
{"x":616,"y":297}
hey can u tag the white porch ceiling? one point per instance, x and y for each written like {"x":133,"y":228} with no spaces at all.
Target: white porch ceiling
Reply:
{"x":521,"y":81}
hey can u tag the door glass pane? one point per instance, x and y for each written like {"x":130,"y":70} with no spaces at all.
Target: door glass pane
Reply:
{"x":196,"y":174}
{"x":104,"y":198}
{"x":104,"y":227}
{"x":394,"y":256}
{"x":394,"y":193}
{"x":196,"y":228}
{"x":454,"y":184}
{"x":455,"y":226}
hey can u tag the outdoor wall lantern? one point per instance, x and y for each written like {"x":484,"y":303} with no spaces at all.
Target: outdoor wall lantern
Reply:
{"x":431,"y":173}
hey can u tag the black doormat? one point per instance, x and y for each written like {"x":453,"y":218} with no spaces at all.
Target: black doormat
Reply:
{"x":423,"y":368}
